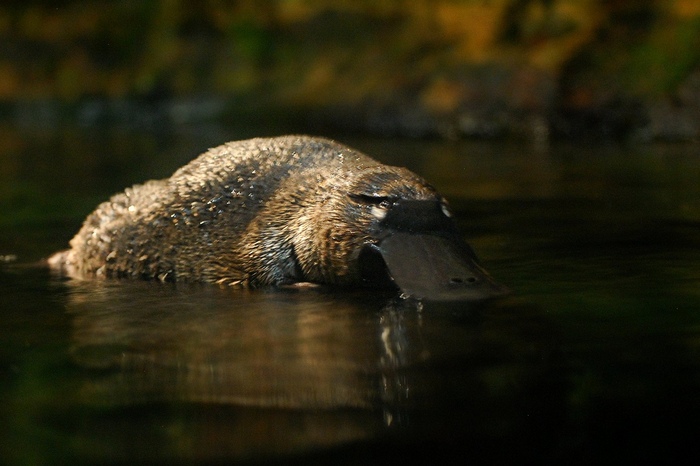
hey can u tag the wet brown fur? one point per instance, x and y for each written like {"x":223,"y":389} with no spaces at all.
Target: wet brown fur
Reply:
{"x":255,"y":212}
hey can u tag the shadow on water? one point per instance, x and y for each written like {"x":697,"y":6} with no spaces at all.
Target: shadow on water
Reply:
{"x":196,"y":373}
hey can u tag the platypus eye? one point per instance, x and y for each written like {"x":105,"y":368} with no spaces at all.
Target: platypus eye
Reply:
{"x":383,"y":202}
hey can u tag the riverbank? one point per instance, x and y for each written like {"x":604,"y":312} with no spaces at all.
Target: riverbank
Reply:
{"x":531,"y":69}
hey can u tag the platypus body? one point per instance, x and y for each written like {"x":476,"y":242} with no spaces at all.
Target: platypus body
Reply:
{"x":281,"y":211}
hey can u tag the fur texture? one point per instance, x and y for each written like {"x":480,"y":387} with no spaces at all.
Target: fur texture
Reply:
{"x":256,"y":212}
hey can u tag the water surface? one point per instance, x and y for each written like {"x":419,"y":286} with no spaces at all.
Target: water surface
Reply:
{"x":595,"y":355}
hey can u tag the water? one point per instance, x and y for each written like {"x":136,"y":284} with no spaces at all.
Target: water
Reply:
{"x":594,"y":356}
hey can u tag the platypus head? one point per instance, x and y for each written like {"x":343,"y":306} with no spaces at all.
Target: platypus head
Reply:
{"x":390,"y":228}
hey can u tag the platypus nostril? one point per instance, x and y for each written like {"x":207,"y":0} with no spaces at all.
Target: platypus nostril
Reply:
{"x":460,"y":280}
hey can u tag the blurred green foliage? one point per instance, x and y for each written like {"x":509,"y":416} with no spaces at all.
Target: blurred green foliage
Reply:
{"x":464,"y":61}
{"x":74,"y":48}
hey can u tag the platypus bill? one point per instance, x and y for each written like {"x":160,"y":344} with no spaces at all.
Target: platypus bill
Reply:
{"x":281,"y":211}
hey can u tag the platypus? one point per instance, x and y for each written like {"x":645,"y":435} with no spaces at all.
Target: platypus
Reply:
{"x":281,"y":211}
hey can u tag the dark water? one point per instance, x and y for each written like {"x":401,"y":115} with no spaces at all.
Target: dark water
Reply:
{"x":595,"y":356}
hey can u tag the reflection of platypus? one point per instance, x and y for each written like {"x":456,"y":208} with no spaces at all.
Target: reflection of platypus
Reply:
{"x":281,"y":211}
